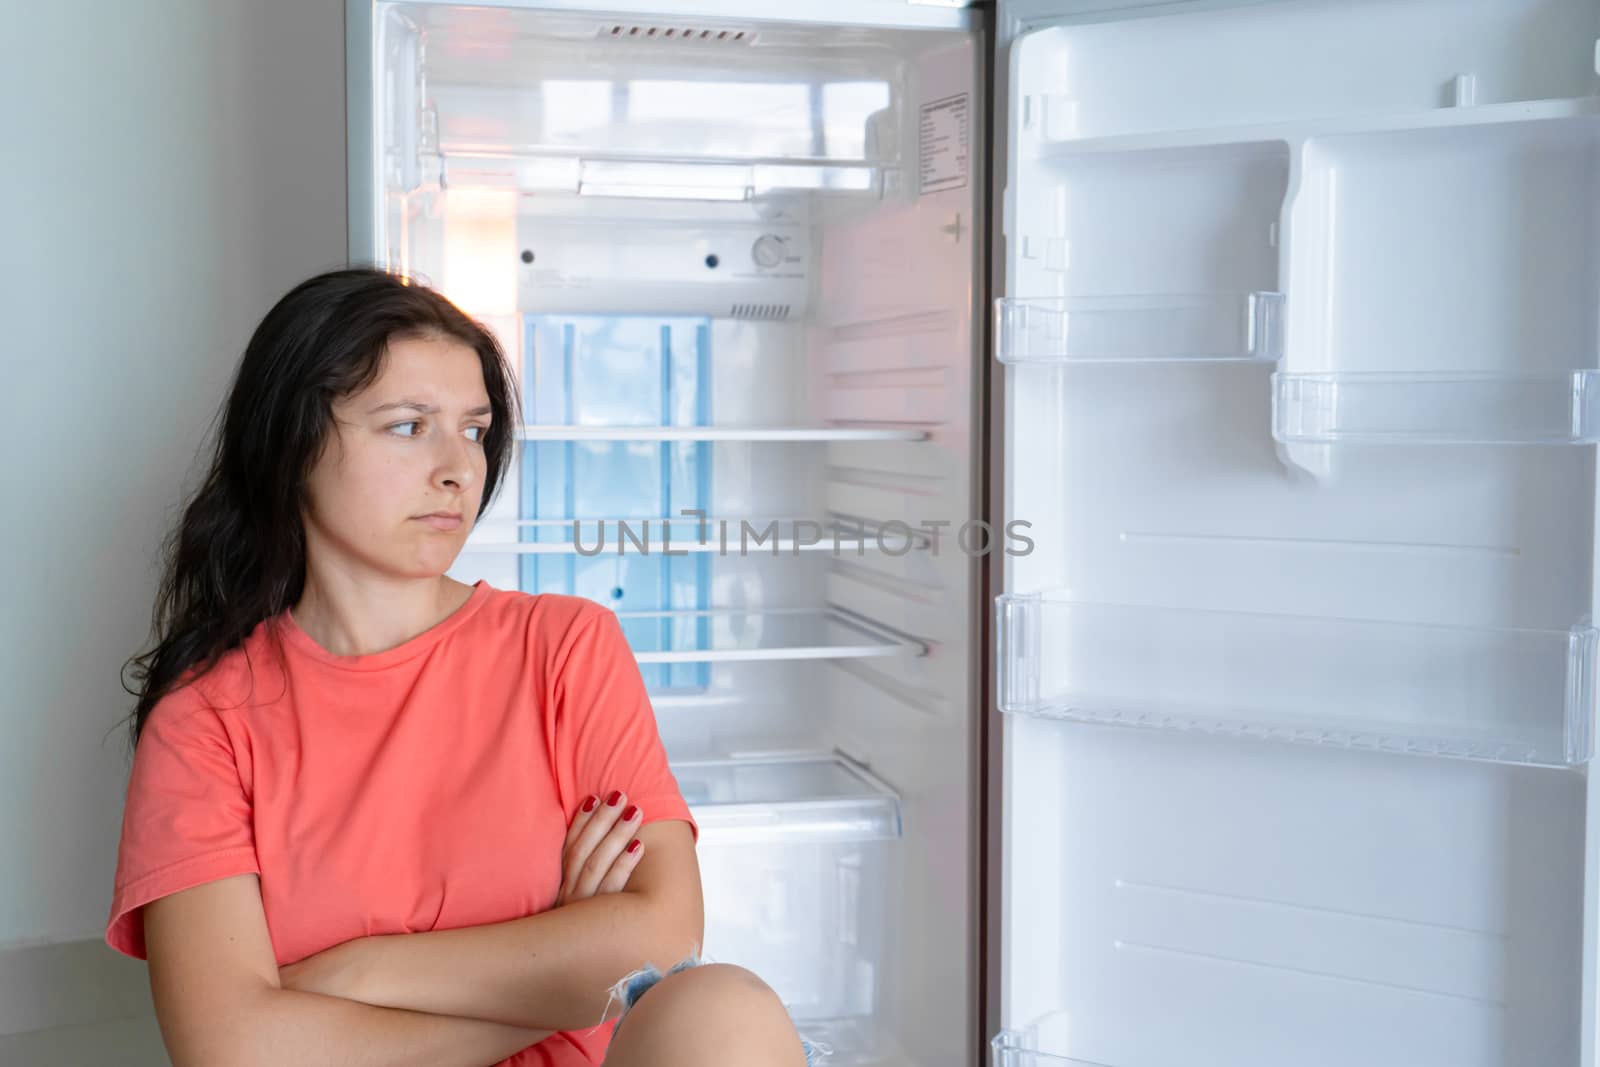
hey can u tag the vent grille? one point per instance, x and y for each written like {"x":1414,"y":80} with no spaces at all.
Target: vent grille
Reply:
{"x":760,"y":311}
{"x":639,"y":31}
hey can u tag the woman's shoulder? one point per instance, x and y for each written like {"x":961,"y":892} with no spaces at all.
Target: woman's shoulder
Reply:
{"x":548,"y":626}
{"x":555,"y":613}
{"x":235,"y":679}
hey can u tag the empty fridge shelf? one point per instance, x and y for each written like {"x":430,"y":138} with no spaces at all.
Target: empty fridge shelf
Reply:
{"x":1507,"y":695}
{"x":787,"y":798}
{"x":1436,"y":408}
{"x":722,"y":635}
{"x":549,"y":432}
{"x":525,"y":169}
{"x":1155,"y":328}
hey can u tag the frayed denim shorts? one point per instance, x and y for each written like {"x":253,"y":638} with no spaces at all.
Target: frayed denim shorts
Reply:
{"x":634,"y":986}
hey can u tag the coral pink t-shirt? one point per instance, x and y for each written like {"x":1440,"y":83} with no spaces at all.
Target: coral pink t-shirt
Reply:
{"x":425,"y":787}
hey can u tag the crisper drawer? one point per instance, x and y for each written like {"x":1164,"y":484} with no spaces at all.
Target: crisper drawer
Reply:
{"x":1011,"y":1048}
{"x":1030,"y":1045}
{"x":796,"y":855}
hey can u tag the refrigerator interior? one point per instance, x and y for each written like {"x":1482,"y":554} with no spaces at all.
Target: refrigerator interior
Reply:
{"x":733,"y":263}
{"x":1299,"y":340}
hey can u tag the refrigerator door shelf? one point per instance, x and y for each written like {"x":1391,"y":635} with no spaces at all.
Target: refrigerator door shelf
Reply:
{"x":1561,"y":408}
{"x":778,"y":537}
{"x":1042,"y":146}
{"x":550,"y":432}
{"x":1146,"y":328}
{"x":720,"y":636}
{"x":1523,"y":696}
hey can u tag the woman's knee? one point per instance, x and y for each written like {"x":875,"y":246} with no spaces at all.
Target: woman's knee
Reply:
{"x":714,"y":1013}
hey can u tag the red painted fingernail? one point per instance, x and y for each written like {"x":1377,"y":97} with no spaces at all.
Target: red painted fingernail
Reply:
{"x":611,"y":801}
{"x":633,"y":810}
{"x":634,"y":847}
{"x":588,"y":805}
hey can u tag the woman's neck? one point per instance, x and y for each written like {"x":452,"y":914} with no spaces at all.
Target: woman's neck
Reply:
{"x":350,"y":616}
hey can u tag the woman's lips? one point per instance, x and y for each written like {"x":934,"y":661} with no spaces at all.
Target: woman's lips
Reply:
{"x":440,"y":522}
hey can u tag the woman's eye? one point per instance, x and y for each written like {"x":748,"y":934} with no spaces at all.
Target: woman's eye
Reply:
{"x":480,"y":431}
{"x":397,"y":426}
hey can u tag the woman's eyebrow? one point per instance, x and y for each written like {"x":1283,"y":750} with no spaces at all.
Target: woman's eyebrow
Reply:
{"x":426,"y":409}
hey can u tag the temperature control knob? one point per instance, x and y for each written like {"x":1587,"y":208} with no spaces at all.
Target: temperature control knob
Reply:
{"x":768,"y":251}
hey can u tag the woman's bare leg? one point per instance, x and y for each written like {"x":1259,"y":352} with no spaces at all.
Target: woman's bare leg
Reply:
{"x":707,"y":1016}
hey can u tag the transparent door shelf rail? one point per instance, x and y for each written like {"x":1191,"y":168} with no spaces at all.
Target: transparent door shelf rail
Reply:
{"x":1561,"y":407}
{"x":1145,"y":328}
{"x":639,"y":536}
{"x":1506,"y":695}
{"x":727,"y":635}
{"x":1575,"y":112}
{"x":549,"y":432}
{"x":811,"y":797}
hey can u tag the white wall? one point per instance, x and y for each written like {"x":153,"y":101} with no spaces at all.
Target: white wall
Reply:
{"x":170,"y":167}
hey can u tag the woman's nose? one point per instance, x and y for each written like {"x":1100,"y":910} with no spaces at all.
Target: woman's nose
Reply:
{"x":454,"y":467}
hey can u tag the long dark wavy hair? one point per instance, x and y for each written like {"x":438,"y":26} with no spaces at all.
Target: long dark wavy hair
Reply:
{"x":239,"y":554}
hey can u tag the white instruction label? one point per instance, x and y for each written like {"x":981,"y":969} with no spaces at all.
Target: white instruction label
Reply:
{"x":945,"y":143}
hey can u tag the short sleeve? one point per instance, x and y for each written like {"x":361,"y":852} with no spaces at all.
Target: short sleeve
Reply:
{"x":186,"y":819}
{"x":606,"y":734}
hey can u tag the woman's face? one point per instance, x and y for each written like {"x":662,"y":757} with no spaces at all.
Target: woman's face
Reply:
{"x":408,"y":445}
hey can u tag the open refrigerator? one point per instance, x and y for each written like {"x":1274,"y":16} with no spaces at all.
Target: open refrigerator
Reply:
{"x":1101,"y":493}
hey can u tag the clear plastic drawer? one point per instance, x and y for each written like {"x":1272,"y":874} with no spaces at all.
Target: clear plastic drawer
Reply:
{"x":795,"y":859}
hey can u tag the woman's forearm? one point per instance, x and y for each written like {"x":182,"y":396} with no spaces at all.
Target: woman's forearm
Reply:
{"x":550,"y":971}
{"x":310,"y":1029}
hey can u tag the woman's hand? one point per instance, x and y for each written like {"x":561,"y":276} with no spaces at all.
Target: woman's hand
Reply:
{"x":600,"y":851}
{"x":333,"y":972}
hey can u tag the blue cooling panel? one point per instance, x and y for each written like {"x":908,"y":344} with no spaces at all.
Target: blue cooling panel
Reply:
{"x":612,"y":370}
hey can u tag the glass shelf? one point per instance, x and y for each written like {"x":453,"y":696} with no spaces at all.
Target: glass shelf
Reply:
{"x":787,"y":798}
{"x":1561,"y":408}
{"x":1499,"y":694}
{"x":1154,"y":328}
{"x":711,"y":636}
{"x":783,"y":539}
{"x":550,"y":432}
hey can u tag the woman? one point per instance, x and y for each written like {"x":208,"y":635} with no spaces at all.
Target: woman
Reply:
{"x":377,"y":816}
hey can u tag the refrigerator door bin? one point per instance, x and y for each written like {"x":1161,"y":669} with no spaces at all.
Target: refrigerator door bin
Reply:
{"x":1464,"y":250}
{"x":795,"y":857}
{"x":1180,"y":327}
{"x":1500,"y":694}
{"x":1559,"y":408}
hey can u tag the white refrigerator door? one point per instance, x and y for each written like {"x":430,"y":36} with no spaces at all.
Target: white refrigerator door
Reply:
{"x":1297,"y":358}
